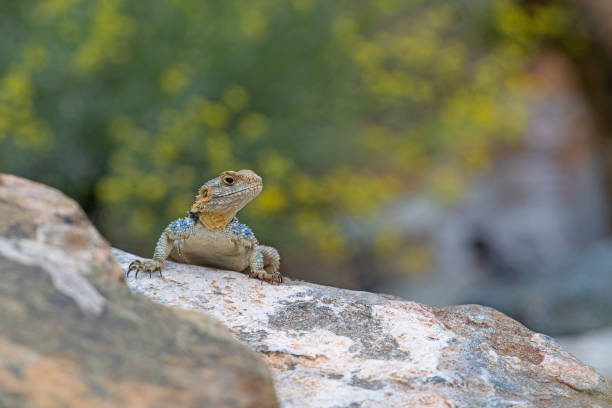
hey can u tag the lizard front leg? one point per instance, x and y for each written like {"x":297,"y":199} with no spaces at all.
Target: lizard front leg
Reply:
{"x":162,"y":250}
{"x":177,"y":230}
{"x":265,"y":264}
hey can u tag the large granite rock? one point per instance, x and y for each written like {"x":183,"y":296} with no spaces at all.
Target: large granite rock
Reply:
{"x":330,"y":347}
{"x":73,"y":335}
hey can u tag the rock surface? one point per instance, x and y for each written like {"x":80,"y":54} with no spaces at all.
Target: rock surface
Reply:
{"x":73,"y":335}
{"x":330,"y":347}
{"x":594,"y":346}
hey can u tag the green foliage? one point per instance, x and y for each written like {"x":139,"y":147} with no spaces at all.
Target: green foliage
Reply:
{"x":130,"y":106}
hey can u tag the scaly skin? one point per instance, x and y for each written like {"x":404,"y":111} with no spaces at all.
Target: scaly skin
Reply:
{"x":212,"y":236}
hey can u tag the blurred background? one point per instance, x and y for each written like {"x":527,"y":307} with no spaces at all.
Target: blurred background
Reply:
{"x":445,"y":151}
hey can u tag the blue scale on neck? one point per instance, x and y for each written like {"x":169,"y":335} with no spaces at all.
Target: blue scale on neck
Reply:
{"x":181,"y":224}
{"x":240,"y":229}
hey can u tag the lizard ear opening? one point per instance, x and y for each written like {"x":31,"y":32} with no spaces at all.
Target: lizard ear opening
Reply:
{"x":201,"y":199}
{"x":203,"y":194}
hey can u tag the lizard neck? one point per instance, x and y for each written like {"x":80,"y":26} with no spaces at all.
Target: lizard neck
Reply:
{"x":216,"y":221}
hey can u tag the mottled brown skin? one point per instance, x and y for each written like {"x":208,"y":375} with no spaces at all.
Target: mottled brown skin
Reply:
{"x":211,"y":234}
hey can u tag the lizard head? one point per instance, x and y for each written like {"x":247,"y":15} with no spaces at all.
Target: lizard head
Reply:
{"x":219,"y":199}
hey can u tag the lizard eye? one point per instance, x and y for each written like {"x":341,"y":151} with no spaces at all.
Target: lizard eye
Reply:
{"x":228,"y":180}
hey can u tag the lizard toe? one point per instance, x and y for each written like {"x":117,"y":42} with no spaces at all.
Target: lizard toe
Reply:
{"x":149,"y":266}
{"x":273,"y":278}
{"x":277,"y":278}
{"x":134,"y":266}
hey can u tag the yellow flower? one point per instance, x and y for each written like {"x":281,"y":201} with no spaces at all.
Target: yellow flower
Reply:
{"x":253,"y":125}
{"x":174,"y":79}
{"x":254,"y":24}
{"x":215,"y":115}
{"x":236,"y":97}
{"x":270,"y":201}
{"x":303,"y":5}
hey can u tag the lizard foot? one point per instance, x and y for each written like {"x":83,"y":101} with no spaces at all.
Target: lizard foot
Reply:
{"x":261,"y":274}
{"x":145,"y":266}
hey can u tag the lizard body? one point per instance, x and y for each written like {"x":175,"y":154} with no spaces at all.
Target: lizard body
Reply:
{"x":211,"y":235}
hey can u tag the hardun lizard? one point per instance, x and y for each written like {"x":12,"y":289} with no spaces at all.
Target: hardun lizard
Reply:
{"x":211,"y":235}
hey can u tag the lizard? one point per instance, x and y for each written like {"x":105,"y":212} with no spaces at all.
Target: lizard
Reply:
{"x":211,"y":235}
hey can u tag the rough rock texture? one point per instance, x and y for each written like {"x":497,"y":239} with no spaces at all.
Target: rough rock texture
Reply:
{"x":594,"y":346}
{"x":330,"y":347}
{"x":72,"y":334}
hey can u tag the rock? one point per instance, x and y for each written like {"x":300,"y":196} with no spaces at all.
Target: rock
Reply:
{"x":594,"y":346}
{"x":73,"y":335}
{"x":331,"y":347}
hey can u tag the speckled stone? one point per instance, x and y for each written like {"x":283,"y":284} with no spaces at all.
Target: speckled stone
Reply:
{"x":330,"y":347}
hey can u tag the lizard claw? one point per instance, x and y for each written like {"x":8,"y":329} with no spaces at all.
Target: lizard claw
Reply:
{"x":276,"y":277}
{"x":273,"y":278}
{"x":133,"y":267}
{"x":149,"y":266}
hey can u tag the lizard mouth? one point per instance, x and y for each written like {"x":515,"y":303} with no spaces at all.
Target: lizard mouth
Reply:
{"x":237,"y":192}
